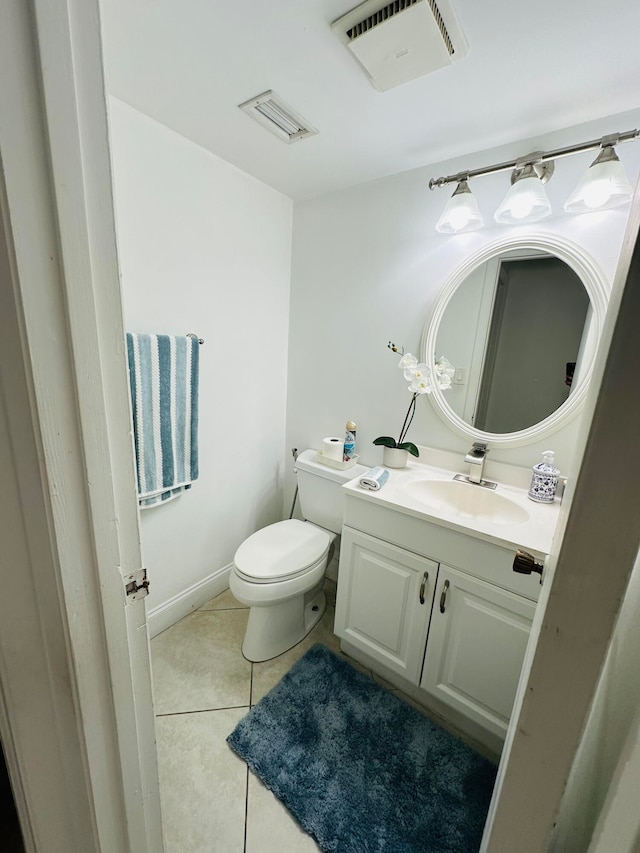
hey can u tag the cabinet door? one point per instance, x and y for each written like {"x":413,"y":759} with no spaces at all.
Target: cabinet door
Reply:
{"x":382,"y":607}
{"x":476,"y":647}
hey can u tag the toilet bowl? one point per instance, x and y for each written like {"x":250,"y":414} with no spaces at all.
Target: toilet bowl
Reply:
{"x":278,"y":572}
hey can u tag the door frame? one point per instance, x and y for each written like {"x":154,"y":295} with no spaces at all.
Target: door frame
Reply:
{"x":73,"y":651}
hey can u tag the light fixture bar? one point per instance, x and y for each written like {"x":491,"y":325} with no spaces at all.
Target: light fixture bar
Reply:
{"x":537,"y":157}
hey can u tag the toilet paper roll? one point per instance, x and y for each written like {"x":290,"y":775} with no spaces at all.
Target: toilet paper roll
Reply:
{"x":333,"y":448}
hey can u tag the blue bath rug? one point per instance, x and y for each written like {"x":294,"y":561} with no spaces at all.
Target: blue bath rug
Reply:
{"x":362,"y":771}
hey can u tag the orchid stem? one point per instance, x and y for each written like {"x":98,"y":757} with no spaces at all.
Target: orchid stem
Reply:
{"x":408,"y":418}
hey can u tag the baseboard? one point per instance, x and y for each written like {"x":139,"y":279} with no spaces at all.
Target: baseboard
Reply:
{"x":167,"y":614}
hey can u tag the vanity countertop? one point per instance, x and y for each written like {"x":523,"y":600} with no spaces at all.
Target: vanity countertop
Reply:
{"x":533,"y":530}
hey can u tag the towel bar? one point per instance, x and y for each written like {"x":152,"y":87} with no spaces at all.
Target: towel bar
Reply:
{"x":192,"y":335}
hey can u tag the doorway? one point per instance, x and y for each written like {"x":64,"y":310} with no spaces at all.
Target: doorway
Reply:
{"x":530,"y":345}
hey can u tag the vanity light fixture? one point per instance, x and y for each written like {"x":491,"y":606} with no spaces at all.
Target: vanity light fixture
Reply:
{"x":461,"y":212}
{"x":604,"y":185}
{"x":526,"y":201}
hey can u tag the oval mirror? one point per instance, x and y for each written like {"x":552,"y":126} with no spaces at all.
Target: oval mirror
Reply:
{"x":520,"y":322}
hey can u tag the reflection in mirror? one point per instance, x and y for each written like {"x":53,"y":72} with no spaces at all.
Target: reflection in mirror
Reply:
{"x":515,"y":330}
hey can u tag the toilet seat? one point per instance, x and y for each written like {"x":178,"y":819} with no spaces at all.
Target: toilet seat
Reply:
{"x":281,"y":551}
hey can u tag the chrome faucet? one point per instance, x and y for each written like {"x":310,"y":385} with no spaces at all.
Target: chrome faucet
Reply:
{"x":475,"y":457}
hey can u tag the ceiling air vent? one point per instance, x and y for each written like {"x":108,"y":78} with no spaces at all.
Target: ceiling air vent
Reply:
{"x":278,"y":117}
{"x":402,"y":40}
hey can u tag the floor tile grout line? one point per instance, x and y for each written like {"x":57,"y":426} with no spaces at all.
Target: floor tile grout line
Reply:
{"x":202,"y":711}
{"x":246,"y":811}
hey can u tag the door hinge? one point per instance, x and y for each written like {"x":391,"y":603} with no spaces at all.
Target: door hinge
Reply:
{"x":136,"y":585}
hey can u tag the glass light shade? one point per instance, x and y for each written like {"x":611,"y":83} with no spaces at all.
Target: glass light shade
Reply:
{"x":603,"y":185}
{"x":461,"y":212}
{"x":526,"y":201}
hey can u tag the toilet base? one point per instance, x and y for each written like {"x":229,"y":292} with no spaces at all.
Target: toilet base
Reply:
{"x":275,"y":629}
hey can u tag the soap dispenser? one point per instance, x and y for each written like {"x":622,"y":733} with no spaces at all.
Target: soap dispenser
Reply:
{"x":544,"y":481}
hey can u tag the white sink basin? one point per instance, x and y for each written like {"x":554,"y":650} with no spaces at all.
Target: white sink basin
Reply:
{"x":468,"y":500}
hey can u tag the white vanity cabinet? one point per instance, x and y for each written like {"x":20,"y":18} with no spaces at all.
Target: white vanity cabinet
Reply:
{"x":459,"y":646}
{"x":477,"y":639}
{"x":385,"y":600}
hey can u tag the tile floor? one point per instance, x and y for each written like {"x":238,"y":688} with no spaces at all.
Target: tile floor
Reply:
{"x":203,"y":686}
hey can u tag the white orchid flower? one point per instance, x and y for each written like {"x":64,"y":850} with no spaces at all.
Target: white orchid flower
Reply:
{"x":407,"y":362}
{"x":445,"y":372}
{"x":420,"y":386}
{"x":444,"y":367}
{"x":418,"y":373}
{"x":422,"y":379}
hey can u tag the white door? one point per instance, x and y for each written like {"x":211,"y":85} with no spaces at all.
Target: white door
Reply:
{"x":477,"y":641}
{"x":384,"y":601}
{"x":593,"y":554}
{"x":76,"y":710}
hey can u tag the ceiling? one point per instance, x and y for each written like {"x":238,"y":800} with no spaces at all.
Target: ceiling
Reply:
{"x":531,"y":69}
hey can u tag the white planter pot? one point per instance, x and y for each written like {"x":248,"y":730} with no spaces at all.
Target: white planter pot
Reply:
{"x":394,"y":457}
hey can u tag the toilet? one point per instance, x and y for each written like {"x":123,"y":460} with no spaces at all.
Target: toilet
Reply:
{"x":279,"y":570}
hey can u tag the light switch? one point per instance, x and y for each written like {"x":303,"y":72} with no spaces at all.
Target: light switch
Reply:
{"x":458,"y":378}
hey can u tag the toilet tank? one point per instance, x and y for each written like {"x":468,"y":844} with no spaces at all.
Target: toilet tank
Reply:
{"x":321,"y":498}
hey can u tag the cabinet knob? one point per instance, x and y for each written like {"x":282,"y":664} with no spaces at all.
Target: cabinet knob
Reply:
{"x":525,"y":563}
{"x":425,"y":578}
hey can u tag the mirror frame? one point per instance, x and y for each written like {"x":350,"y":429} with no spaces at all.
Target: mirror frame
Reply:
{"x":598,"y":289}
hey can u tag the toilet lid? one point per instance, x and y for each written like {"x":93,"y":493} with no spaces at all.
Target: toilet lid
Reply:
{"x":281,"y":550}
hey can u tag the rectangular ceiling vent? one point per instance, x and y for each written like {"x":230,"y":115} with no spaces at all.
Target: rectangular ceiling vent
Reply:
{"x":402,"y":40}
{"x":273,"y":113}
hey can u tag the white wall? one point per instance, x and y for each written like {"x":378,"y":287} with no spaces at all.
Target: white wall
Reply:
{"x":368,"y":267}
{"x":206,"y":248}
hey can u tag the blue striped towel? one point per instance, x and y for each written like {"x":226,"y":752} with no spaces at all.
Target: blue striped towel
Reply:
{"x":163,"y":375}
